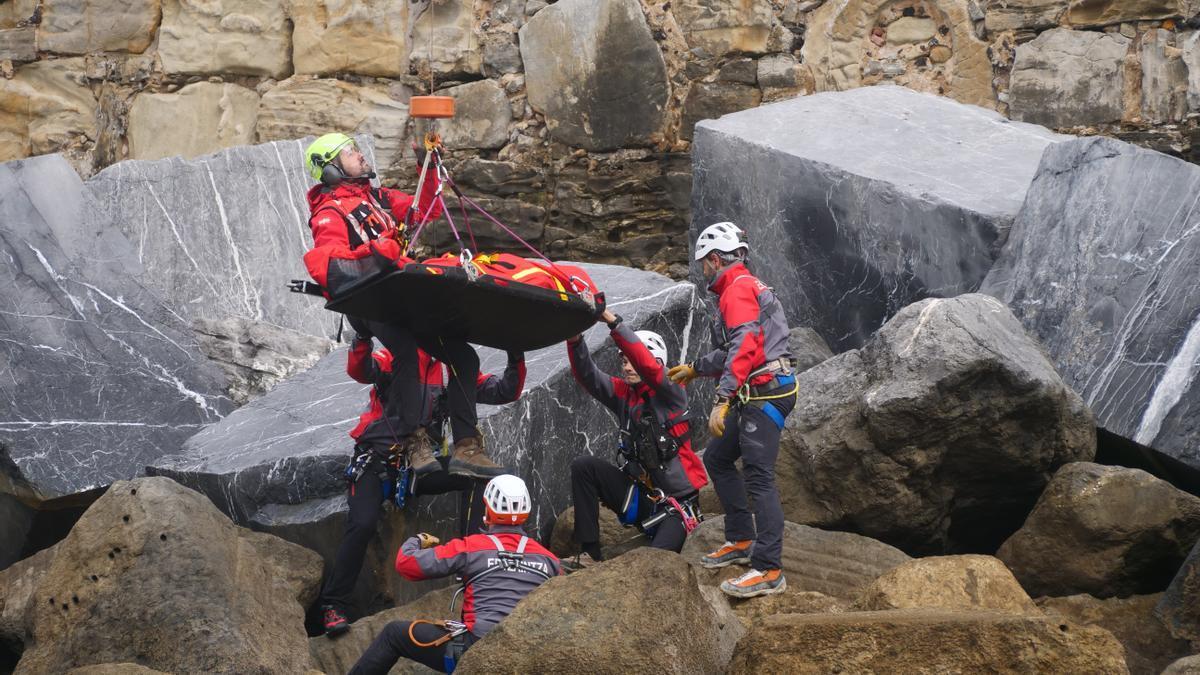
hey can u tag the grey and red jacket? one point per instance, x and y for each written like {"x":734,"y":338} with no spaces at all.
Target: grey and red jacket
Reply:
{"x":668,"y":401}
{"x":375,"y":368}
{"x":355,"y":228}
{"x":749,"y":331}
{"x":489,"y":597}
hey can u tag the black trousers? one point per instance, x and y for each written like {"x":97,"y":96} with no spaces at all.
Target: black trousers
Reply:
{"x":595,"y":481}
{"x":752,"y":435}
{"x":365,"y":500}
{"x":406,"y":397}
{"x":393,"y":642}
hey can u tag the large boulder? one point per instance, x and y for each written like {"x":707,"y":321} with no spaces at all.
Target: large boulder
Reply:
{"x":48,"y":107}
{"x":18,"y":584}
{"x":911,"y":198}
{"x":1180,"y":605}
{"x":364,"y":38}
{"x":339,"y":655}
{"x":642,"y":611}
{"x":835,"y":564}
{"x":594,"y":70}
{"x":204,"y":117}
{"x":1188,"y":665}
{"x":937,"y":436}
{"x":948,"y":582}
{"x":1103,"y":530}
{"x":925,"y":641}
{"x":481,"y":116}
{"x":1100,"y":266}
{"x":615,"y":538}
{"x":1067,"y":78}
{"x":1148,"y":646}
{"x":153,"y":573}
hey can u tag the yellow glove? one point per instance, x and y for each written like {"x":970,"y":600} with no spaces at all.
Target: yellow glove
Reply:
{"x":716,"y":419}
{"x":682,"y":374}
{"x":428,"y":540}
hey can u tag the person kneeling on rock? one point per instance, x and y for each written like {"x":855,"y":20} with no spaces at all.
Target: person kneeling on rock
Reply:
{"x":499,"y":567}
{"x":658,"y":478}
{"x":378,"y":454}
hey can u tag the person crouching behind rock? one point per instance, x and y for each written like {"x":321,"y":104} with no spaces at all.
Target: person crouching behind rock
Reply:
{"x":499,"y":567}
{"x":659,"y":477}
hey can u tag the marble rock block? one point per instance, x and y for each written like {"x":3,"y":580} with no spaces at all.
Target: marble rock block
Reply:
{"x":1101,"y":266}
{"x":858,"y":203}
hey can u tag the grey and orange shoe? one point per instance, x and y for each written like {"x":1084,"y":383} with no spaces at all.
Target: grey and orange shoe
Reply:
{"x":732,"y":553}
{"x":471,"y":460}
{"x":755,"y":583}
{"x":420,"y":453}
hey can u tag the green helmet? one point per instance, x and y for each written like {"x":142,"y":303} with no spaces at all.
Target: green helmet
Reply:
{"x":323,"y":151}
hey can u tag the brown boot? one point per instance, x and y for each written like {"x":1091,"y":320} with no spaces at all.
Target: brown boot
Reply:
{"x":469,"y":459}
{"x":420,"y":453}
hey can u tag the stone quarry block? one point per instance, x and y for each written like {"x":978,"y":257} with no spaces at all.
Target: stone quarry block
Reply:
{"x":365,"y":38}
{"x":16,"y":11}
{"x":99,"y":377}
{"x":1101,"y":266}
{"x":937,"y":436}
{"x":1148,"y":646}
{"x":198,"y":119}
{"x":845,"y":45}
{"x":1108,"y":12}
{"x":1002,"y":15}
{"x":1066,"y":78}
{"x":1103,"y":530}
{"x":18,"y":44}
{"x":481,"y":116}
{"x":448,"y":30}
{"x":48,"y":108}
{"x":84,"y":26}
{"x":609,"y":95}
{"x":778,"y":70}
{"x":910,"y":198}
{"x":249,"y":37}
{"x":966,"y":582}
{"x":724,"y":28}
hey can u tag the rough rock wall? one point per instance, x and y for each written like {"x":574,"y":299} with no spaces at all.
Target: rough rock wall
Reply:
{"x":575,"y":117}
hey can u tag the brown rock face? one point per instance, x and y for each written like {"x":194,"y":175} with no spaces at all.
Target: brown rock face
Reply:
{"x":153,"y":573}
{"x":1148,"y":646}
{"x":964,"y":582}
{"x":641,"y":612}
{"x":1180,"y":605}
{"x":248,"y":37}
{"x":82,"y":26}
{"x":46,"y":107}
{"x":924,"y":641}
{"x":615,"y":538}
{"x":220,"y":115}
{"x":1105,"y":531}
{"x":365,"y":38}
{"x":340,"y":655}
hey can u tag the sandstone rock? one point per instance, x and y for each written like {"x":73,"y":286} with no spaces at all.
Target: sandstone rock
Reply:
{"x":824,"y":212}
{"x":1099,"y":266}
{"x":1104,"y":531}
{"x":1179,"y":608}
{"x":115,"y":669}
{"x":1069,"y":78}
{"x":1188,"y":665}
{"x":836,"y":564}
{"x":300,"y":107}
{"x":615,"y":538}
{"x":17,"y":595}
{"x":911,"y":30}
{"x":16,"y":12}
{"x":595,"y":621}
{"x":365,"y":38}
{"x":154,"y":573}
{"x":1002,"y":15}
{"x":793,"y":601}
{"x":967,"y":582}
{"x":1164,"y":78}
{"x":926,"y":641}
{"x":83,"y":26}
{"x":937,"y":436}
{"x":778,"y":70}
{"x":609,"y":95}
{"x":808,"y":348}
{"x":1107,"y":12}
{"x":710,"y":100}
{"x":501,"y":56}
{"x":448,"y":28}
{"x":18,"y":44}
{"x":198,"y":119}
{"x":744,"y":71}
{"x":48,"y":108}
{"x":340,"y":655}
{"x":257,"y":355}
{"x":1189,"y":44}
{"x":723,"y":28}
{"x":249,"y":37}
{"x":837,"y":45}
{"x":481,"y":116}
{"x":1148,"y":646}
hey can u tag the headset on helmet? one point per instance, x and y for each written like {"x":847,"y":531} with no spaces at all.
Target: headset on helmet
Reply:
{"x":720,"y":237}
{"x":506,"y":500}
{"x":320,"y":155}
{"x":655,"y":343}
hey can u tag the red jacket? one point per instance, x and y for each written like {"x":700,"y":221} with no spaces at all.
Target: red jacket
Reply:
{"x":750,"y":331}
{"x":352,"y":220}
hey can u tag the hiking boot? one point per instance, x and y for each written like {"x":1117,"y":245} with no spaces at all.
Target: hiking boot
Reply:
{"x":420,"y":454}
{"x":732,"y":553}
{"x":334,"y":621}
{"x":754,"y":583}
{"x":469,"y":459}
{"x":579,"y":562}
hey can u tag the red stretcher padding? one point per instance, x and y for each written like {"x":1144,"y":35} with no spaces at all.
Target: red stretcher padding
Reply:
{"x":512,"y":304}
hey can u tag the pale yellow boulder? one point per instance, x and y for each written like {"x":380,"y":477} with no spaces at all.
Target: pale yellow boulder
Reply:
{"x":249,"y":37}
{"x":366,"y":38}
{"x":196,"y":120}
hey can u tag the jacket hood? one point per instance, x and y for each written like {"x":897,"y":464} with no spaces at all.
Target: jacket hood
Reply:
{"x":726,"y":277}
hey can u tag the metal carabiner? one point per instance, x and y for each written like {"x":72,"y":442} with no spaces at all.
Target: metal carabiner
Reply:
{"x":467,"y":261}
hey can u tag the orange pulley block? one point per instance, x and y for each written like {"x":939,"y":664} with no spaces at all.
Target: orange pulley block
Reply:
{"x":431,"y":107}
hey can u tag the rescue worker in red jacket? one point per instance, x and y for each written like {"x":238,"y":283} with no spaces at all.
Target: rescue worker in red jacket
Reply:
{"x":756,"y":391}
{"x":357,"y":230}
{"x":499,"y":567}
{"x":375,"y":457}
{"x":656,"y":485}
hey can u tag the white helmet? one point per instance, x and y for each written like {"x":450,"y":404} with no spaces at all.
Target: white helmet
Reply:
{"x":655,"y":343}
{"x":506,"y":500}
{"x":722,"y":237}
